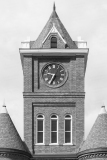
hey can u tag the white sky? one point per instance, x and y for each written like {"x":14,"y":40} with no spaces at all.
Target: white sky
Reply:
{"x":26,"y":18}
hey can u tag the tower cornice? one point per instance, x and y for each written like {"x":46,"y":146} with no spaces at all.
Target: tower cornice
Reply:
{"x":54,"y":52}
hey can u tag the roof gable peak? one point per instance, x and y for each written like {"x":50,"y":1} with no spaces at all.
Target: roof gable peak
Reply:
{"x":54,"y":30}
{"x":50,"y":27}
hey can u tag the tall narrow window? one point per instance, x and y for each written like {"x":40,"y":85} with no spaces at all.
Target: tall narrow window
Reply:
{"x":54,"y":129}
{"x":68,"y":129}
{"x":53,"y":42}
{"x":40,"y":129}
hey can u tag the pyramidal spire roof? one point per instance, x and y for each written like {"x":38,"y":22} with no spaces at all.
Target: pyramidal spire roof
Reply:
{"x":54,"y":21}
{"x":9,"y":137}
{"x":98,"y":135}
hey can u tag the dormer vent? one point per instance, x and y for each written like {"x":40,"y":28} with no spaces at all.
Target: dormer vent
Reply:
{"x":53,"y":42}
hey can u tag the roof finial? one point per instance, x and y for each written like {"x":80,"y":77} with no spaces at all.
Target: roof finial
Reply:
{"x":3,"y":109}
{"x":103,"y":110}
{"x":4,"y":103}
{"x":54,"y":7}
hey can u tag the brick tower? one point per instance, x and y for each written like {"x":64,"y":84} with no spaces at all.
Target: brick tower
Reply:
{"x":53,"y":69}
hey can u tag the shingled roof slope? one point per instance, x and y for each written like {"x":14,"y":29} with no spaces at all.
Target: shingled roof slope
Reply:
{"x":54,"y":19}
{"x":97,"y":137}
{"x":9,"y":137}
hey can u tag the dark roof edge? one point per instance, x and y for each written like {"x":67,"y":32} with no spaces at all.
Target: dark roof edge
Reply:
{"x":92,"y":153}
{"x":8,"y":151}
{"x":60,"y":155}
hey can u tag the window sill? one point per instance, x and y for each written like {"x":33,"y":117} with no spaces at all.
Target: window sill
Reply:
{"x":39,"y":144}
{"x":53,"y":144}
{"x":68,"y":144}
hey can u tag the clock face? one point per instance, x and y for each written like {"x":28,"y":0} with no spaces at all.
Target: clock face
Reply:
{"x":54,"y":75}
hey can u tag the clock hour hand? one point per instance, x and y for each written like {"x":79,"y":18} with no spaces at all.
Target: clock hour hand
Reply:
{"x":53,"y":75}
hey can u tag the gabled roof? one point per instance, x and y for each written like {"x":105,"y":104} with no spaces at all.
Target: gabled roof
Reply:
{"x":9,"y":137}
{"x":97,"y":137}
{"x":54,"y":30}
{"x":54,"y":20}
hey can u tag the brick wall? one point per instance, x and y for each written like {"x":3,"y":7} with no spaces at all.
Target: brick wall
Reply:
{"x":28,"y":129}
{"x":60,"y":112}
{"x":36,"y":92}
{"x":80,"y":73}
{"x":33,"y":81}
{"x":27,"y":71}
{"x":66,"y":107}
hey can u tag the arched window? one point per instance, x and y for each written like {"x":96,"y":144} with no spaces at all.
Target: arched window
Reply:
{"x":40,"y":129}
{"x":68,"y":129}
{"x":54,"y":129}
{"x":53,"y":42}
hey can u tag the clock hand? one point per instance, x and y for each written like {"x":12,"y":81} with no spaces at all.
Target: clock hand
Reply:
{"x":53,"y":75}
{"x":48,"y":73}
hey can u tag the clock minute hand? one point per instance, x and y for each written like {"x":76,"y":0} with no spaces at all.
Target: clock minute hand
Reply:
{"x":50,"y":73}
{"x":53,"y":75}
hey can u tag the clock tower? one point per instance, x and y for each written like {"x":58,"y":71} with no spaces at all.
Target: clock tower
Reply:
{"x":54,"y":68}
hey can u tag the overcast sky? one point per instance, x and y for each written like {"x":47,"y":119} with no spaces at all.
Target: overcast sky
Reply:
{"x":20,"y":19}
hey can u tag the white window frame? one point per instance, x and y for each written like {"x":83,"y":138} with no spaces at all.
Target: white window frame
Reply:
{"x":68,"y":118}
{"x":51,"y":131}
{"x":42,"y":118}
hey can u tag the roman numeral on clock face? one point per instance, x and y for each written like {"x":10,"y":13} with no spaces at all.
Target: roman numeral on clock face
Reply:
{"x":61,"y":79}
{"x":49,"y":67}
{"x":53,"y":66}
{"x":46,"y":79}
{"x":53,"y":82}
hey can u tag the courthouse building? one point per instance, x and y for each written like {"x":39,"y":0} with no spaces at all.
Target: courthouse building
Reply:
{"x":54,"y":68}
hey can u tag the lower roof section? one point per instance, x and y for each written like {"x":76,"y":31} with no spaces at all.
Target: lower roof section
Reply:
{"x":14,"y":153}
{"x":95,"y":153}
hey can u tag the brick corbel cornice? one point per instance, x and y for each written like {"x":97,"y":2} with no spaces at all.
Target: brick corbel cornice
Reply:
{"x":93,"y":153}
{"x":6,"y":152}
{"x":54,"y":95}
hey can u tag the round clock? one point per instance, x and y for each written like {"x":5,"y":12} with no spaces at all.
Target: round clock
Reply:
{"x":54,"y":75}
